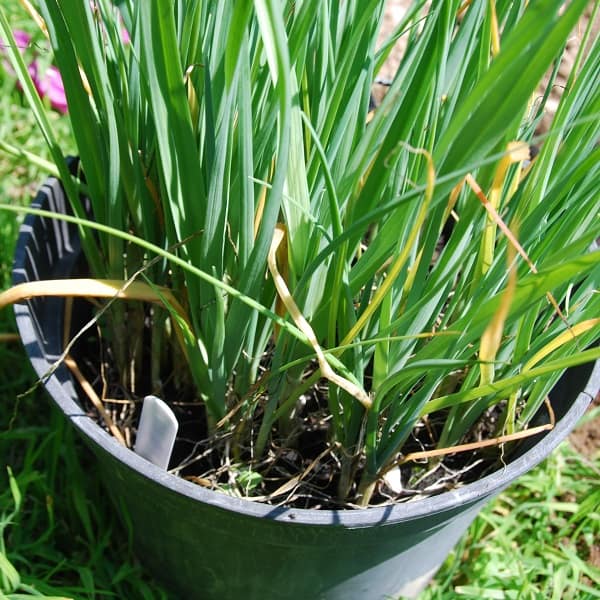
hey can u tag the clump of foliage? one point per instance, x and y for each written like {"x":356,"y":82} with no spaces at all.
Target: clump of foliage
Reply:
{"x":367,"y":276}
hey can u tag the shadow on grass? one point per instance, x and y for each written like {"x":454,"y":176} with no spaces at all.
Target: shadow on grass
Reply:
{"x":60,"y":534}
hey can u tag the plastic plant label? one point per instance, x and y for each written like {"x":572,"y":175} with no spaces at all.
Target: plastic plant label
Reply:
{"x":156,"y":432}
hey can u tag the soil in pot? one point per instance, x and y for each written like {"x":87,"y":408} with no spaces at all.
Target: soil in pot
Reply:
{"x":297,"y":471}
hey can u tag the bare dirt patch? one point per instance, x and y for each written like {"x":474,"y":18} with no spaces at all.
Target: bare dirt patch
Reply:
{"x":586,"y":438}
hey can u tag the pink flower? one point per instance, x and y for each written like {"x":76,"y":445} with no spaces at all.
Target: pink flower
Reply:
{"x":125,"y":34}
{"x":33,"y":73}
{"x":22,"y":39}
{"x":51,"y":86}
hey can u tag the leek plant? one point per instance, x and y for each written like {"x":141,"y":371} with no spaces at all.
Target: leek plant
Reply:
{"x":370,"y":275}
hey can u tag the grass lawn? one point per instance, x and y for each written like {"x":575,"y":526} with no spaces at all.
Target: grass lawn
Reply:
{"x":60,"y":538}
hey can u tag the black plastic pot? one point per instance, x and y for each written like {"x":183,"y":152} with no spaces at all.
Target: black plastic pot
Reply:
{"x":204,"y":544}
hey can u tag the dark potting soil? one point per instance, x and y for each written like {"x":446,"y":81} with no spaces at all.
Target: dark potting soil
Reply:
{"x":300,"y":469}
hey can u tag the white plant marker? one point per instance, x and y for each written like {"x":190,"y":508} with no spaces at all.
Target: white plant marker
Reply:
{"x":156,"y":432}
